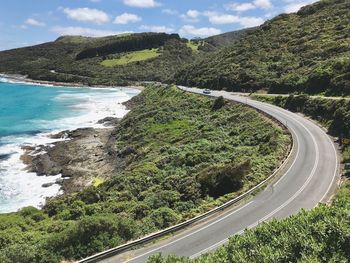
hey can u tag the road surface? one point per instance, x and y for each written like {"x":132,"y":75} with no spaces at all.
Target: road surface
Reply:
{"x":311,"y":177}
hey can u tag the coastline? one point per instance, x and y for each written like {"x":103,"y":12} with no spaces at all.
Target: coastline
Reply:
{"x":48,"y":158}
{"x":17,"y":78}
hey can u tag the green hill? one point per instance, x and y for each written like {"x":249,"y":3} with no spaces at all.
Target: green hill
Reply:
{"x":308,"y":51}
{"x":228,"y":38}
{"x":112,"y":60}
{"x":80,"y":59}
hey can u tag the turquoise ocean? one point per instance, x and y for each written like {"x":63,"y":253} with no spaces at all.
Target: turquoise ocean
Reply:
{"x":29,"y":113}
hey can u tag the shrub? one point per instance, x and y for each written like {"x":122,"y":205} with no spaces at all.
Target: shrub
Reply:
{"x":219,"y":180}
{"x":219,"y":102}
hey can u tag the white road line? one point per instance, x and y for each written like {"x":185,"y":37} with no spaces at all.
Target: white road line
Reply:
{"x":209,"y":248}
{"x":335,"y":171}
{"x":295,"y":159}
{"x":190,"y":234}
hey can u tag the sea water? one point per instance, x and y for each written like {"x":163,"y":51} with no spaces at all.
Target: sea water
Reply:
{"x":29,"y":114}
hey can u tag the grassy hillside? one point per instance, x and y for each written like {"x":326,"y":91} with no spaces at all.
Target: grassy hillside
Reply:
{"x":112,"y":60}
{"x":177,"y":154}
{"x":308,"y":51}
{"x":80,"y":59}
{"x":130,"y":57}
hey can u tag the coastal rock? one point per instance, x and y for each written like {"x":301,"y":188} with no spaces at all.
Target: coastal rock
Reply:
{"x":43,"y":165}
{"x":79,"y":159}
{"x":109,"y":121}
{"x":47,"y":185}
{"x":60,"y":135}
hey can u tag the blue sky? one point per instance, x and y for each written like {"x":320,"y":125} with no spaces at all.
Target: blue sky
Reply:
{"x":24,"y":22}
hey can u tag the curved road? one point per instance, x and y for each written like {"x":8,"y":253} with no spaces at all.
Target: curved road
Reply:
{"x":310,"y":178}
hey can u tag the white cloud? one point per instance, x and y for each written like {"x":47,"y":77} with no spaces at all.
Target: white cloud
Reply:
{"x":265,"y":4}
{"x":223,"y":19}
{"x":33,"y":22}
{"x":240,"y":7}
{"x":170,"y":12}
{"x":244,"y":21}
{"x":188,"y":30}
{"x":126,"y":18}
{"x":162,"y":29}
{"x":191,"y":16}
{"x":250,"y":21}
{"x":193,"y":13}
{"x":87,"y":15}
{"x":141,"y":3}
{"x":294,"y":5}
{"x":83,"y":31}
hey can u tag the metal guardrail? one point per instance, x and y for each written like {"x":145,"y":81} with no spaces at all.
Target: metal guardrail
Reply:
{"x":151,"y":237}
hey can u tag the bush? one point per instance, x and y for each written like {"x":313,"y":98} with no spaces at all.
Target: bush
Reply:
{"x":164,"y":217}
{"x":219,"y":180}
{"x":33,"y":213}
{"x":219,"y":102}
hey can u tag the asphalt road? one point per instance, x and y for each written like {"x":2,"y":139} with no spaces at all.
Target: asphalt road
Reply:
{"x":311,"y":177}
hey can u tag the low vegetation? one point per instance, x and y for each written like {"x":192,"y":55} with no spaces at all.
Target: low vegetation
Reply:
{"x":174,"y":151}
{"x":101,"y":61}
{"x":115,"y":60}
{"x":195,"y":45}
{"x":131,"y":57}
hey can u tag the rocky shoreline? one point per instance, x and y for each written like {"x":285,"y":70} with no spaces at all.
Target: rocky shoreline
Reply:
{"x":81,"y":157}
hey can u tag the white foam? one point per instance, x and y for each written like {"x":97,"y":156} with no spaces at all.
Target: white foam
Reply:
{"x":19,"y":188}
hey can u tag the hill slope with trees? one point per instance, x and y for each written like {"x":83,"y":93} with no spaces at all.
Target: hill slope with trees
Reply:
{"x":79,"y":59}
{"x":308,"y":51}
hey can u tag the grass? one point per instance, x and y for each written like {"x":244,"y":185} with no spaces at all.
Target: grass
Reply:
{"x":193,"y":45}
{"x":131,"y":57}
{"x":97,"y":181}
